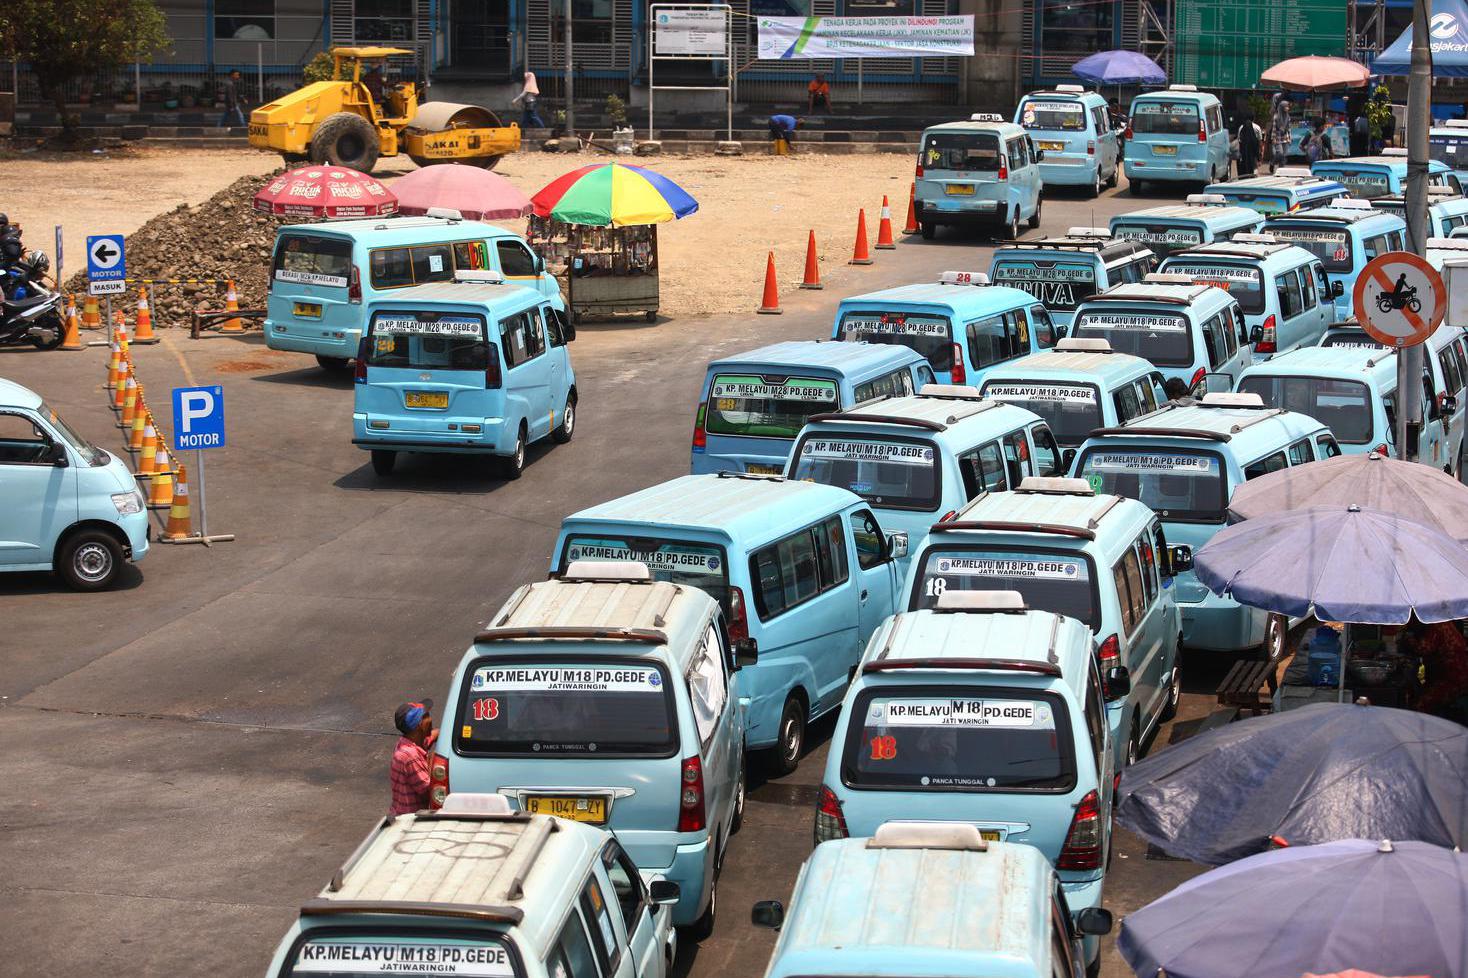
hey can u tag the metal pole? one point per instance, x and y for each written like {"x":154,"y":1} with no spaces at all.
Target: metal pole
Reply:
{"x":203,"y":519}
{"x":138,"y":81}
{"x":859,"y":92}
{"x":652,"y":59}
{"x":1419,"y":120}
{"x":571,"y":77}
{"x":111,"y":334}
{"x":260,"y":73}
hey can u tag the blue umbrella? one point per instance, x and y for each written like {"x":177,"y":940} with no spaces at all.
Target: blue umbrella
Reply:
{"x":1119,"y":68}
{"x":1387,"y":908}
{"x":1341,"y":563}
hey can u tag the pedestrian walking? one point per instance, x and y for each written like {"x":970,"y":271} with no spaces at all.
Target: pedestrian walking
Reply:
{"x":1360,"y":133}
{"x":1250,"y":141}
{"x":528,"y":98}
{"x":408,"y":773}
{"x":234,"y":111}
{"x":1317,"y":144}
{"x":1279,"y":131}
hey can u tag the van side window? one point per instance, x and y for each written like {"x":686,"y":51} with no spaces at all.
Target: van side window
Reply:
{"x":925,"y":375}
{"x":890,"y":385}
{"x":1146,"y":396}
{"x":1095,"y":713}
{"x":1270,"y":463}
{"x":1322,"y":284}
{"x":1307,"y":287}
{"x":871,"y":547}
{"x":555,"y":326}
{"x":599,"y":921}
{"x":1288,"y":288}
{"x":1461,"y":357}
{"x":1397,"y":240}
{"x":571,"y":956}
{"x":515,"y":258}
{"x":1127,"y":405}
{"x":22,"y":442}
{"x":831,"y":551}
{"x":1043,"y":326}
{"x":1326,"y":447}
{"x":1300,"y":452}
{"x":785,"y":574}
{"x":708,"y":686}
{"x":534,"y":337}
{"x":994,"y":340}
{"x":627,"y":884}
{"x":1129,"y":617}
{"x":515,"y":338}
{"x":1148,"y":557}
{"x":1135,"y":589}
{"x":1017,"y":457}
{"x":983,"y":470}
{"x":1213,"y":339}
{"x":1452,"y":379}
{"x":1047,"y":453}
{"x":1430,"y":407}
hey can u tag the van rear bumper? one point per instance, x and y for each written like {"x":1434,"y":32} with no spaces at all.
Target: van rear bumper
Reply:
{"x":403,"y":439}
{"x":1191,"y":171}
{"x":1070,"y":172}
{"x":1220,"y":624}
{"x":958,"y":210}
{"x":691,"y":867}
{"x":307,"y":338}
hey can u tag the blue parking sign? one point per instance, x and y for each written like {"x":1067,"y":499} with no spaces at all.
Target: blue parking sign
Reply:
{"x":198,"y":418}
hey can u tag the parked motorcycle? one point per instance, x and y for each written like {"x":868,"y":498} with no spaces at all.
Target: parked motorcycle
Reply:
{"x":34,"y":314}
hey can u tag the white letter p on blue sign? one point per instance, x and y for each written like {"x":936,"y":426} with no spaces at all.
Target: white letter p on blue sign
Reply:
{"x":198,"y":418}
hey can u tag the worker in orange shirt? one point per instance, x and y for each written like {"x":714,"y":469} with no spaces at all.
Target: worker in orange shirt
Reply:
{"x":818,"y":92}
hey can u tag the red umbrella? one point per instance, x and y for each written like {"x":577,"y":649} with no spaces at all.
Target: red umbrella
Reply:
{"x":1314,"y":73}
{"x":476,"y":194}
{"x":326,"y":191}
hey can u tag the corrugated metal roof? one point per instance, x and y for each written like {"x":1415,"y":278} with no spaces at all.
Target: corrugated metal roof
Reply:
{"x":795,"y":354}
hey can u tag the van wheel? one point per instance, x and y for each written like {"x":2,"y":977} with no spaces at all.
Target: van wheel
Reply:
{"x":333,"y":364}
{"x":1134,"y":743}
{"x":89,"y":560}
{"x":703,"y":928}
{"x":791,"y":739}
{"x":1174,"y":688}
{"x":514,"y":463}
{"x":737,"y":821}
{"x":1009,"y":231}
{"x":1035,"y":217}
{"x":567,"y":427}
{"x":1096,"y":186}
{"x":929,"y":229}
{"x":1134,"y":187}
{"x":383,"y":461}
{"x":1274,"y":638}
{"x":1115,"y":174}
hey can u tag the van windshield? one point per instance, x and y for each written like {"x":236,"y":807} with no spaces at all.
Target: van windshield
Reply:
{"x":1182,"y":487}
{"x":888,"y":472}
{"x":1452,"y":150}
{"x":1159,"y":337}
{"x":1161,"y":239}
{"x":351,"y":956}
{"x":1244,"y":283}
{"x":1263,"y":203}
{"x":967,"y":738}
{"x":1165,"y":118}
{"x":1049,"y":580}
{"x":1053,"y":116}
{"x":961,"y":151}
{"x":930,"y":335}
{"x":699,"y":565}
{"x":313,"y":259}
{"x":1331,"y":246}
{"x":1058,"y":286}
{"x":428,"y":341}
{"x":547,"y":707}
{"x":93,"y":455}
{"x":766,"y":407}
{"x":1071,"y":410}
{"x":1343,"y":406}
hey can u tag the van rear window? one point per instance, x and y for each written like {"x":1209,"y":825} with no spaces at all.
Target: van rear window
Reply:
{"x":1165,"y":118}
{"x":886,"y":472}
{"x":1182,"y":487}
{"x":1071,"y":410}
{"x":1361,"y":183}
{"x":1332,"y":247}
{"x":1343,"y":406}
{"x":1058,"y":286}
{"x":766,"y":407}
{"x":961,"y":151}
{"x":345,"y":956}
{"x":1243,"y":282}
{"x":964,"y":738}
{"x":1049,"y":580}
{"x":428,"y":341}
{"x":310,"y":259}
{"x":932,"y":336}
{"x":1452,"y":150}
{"x":547,"y":707}
{"x":1162,"y":338}
{"x":703,"y":566}
{"x":1053,"y":116}
{"x":1161,"y":239}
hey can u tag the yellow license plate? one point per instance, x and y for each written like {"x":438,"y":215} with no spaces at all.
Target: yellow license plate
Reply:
{"x":1049,"y":146}
{"x":1164,"y":150}
{"x":991,"y":835}
{"x":961,"y":189}
{"x":574,"y":809}
{"x":309,"y":309}
{"x":764,"y":469}
{"x":426,"y":399}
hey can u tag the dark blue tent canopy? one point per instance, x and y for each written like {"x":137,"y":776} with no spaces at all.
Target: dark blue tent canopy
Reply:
{"x":1448,"y":30}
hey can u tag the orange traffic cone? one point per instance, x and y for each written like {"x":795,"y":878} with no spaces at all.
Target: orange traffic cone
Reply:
{"x":119,"y":330}
{"x":143,"y":329}
{"x":91,"y":315}
{"x":178,"y":527}
{"x":771,"y":304}
{"x":912,"y":226}
{"x":129,"y":402}
{"x":119,"y":392}
{"x":884,"y":228}
{"x":160,"y":495}
{"x":860,"y":255}
{"x":139,"y":430}
{"x":114,"y":366}
{"x":232,"y":304}
{"x":148,"y":461}
{"x":812,"y":267}
{"x":71,"y":338}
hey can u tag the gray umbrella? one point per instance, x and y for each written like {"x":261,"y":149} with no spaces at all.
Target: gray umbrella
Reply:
{"x":1410,"y":489}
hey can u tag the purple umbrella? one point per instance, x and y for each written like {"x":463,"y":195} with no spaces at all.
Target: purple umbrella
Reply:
{"x":1119,"y":68}
{"x":1388,"y":908}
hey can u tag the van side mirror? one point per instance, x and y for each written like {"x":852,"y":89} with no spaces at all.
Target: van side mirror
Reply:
{"x":664,"y":892}
{"x":1449,"y":404}
{"x":1067,"y":459}
{"x":56,"y":455}
{"x":1256,"y":335}
{"x":1039,"y":155}
{"x":1094,"y":921}
{"x":568,"y":329}
{"x":897,"y":545}
{"x":1117,"y":683}
{"x":1337,"y":289}
{"x":768,"y":913}
{"x":1211,"y":384}
{"x":1181,"y":556}
{"x":746,"y":652}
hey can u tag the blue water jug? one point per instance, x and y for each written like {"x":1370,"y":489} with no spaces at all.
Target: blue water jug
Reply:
{"x":1324,"y":660}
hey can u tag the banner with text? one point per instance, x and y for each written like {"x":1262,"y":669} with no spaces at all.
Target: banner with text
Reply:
{"x":789,"y":38}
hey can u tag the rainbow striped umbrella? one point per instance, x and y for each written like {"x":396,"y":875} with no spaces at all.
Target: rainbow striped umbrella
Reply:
{"x":613,"y":195}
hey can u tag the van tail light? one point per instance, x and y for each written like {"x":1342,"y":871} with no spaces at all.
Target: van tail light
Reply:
{"x":690,"y":801}
{"x":960,"y":375}
{"x":1082,"y":849}
{"x":1198,"y":375}
{"x":438,"y":780}
{"x":1108,"y":657}
{"x":492,"y":369}
{"x":1202,"y":132}
{"x":359,"y":372}
{"x":948,"y":516}
{"x":1381,"y":450}
{"x":830,"y":823}
{"x":1127,"y":134}
{"x":919,"y":172}
{"x":1003,"y":170}
{"x":700,"y":436}
{"x":354,"y":286}
{"x":738,"y":617}
{"x":1266,"y":342}
{"x":1090,"y":147}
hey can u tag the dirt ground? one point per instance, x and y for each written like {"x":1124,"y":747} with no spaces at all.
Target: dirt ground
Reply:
{"x":712,"y":262}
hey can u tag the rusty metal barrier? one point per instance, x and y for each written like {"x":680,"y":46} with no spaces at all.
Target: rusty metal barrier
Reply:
{"x":200,"y":318}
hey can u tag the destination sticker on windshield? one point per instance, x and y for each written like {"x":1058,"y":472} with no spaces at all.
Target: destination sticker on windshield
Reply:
{"x":867,"y":451}
{"x":900,"y":325}
{"x":1139,"y":462}
{"x":1008,"y":272}
{"x":391,"y":958}
{"x":959,"y":712}
{"x":446,"y":326}
{"x":311,"y":278}
{"x":656,"y":560}
{"x":772,"y":392}
{"x":1039,"y":392}
{"x":1309,"y":234}
{"x":1051,"y":570}
{"x":1360,"y":179}
{"x":545,"y":679}
{"x":1173,"y":236}
{"x":1210,"y":274}
{"x":1133,"y":320}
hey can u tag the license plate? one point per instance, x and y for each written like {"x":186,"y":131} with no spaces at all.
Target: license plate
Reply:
{"x":1164,"y":150}
{"x":763,"y":469}
{"x":426,"y":399}
{"x":1050,"y":146}
{"x":959,"y":188}
{"x":991,"y":835}
{"x":309,"y":309}
{"x":573,"y":809}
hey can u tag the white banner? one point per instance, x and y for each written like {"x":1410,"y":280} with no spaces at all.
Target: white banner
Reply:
{"x":1045,"y":570}
{"x":903,"y":326}
{"x":868,"y":451}
{"x":965,"y":713}
{"x":772,"y":392}
{"x":691,"y":32}
{"x":789,"y":38}
{"x":1137,"y":462}
{"x":383,"y":325}
{"x":1176,"y":236}
{"x":311,"y":278}
{"x":1116,"y":320}
{"x":388,"y":958}
{"x":541,"y":679}
{"x":1038,"y":392}
{"x":658,"y":560}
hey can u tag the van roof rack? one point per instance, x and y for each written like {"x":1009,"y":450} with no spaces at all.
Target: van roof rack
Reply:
{"x":950,"y":392}
{"x":1218,"y":436}
{"x":565,"y":633}
{"x":1015,"y":526}
{"x":1180,"y":87}
{"x":851,"y":416}
{"x":951,"y":836}
{"x":1167,"y":278}
{"x":1054,"y":486}
{"x":1255,"y":237}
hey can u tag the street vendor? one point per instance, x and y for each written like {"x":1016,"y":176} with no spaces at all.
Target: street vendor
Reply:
{"x":1444,"y":670}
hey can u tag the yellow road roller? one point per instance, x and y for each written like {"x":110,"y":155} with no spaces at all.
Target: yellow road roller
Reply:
{"x":359,"y":115}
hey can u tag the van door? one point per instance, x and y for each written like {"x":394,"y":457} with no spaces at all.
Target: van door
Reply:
{"x":635,"y":910}
{"x":1432,"y":447}
{"x":875,"y":571}
{"x":517,"y":263}
{"x":717,"y":721}
{"x":608,"y":945}
{"x":560,"y":363}
{"x":1143,"y":621}
{"x":40,"y":497}
{"x":1106,"y":143}
{"x":528,"y":377}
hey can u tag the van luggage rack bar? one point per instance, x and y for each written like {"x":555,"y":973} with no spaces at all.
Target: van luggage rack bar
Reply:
{"x":462,"y":911}
{"x":1264,"y":415}
{"x":998,"y":665}
{"x":1161,"y":300}
{"x":880,"y":419}
{"x":1223,"y":251}
{"x":1163,"y":433}
{"x":338,"y":879}
{"x":646,"y":636}
{"x":1011,"y":526}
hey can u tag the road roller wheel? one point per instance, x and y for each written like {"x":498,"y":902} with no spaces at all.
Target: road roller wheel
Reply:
{"x":346,"y":140}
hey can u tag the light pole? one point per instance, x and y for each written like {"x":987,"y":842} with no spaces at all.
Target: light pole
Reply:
{"x":570,"y":77}
{"x":1419,"y":120}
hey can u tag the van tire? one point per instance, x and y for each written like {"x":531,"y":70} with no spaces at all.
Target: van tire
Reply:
{"x":567,"y":427}
{"x":383,"y":461}
{"x":89,"y":560}
{"x":1035,"y":217}
{"x":1134,"y":742}
{"x":1009,"y":231}
{"x":703,"y":928}
{"x":740,"y":788}
{"x":1134,"y":187}
{"x":333,"y":364}
{"x":1174,"y":688}
{"x":1115,"y":175}
{"x":513,"y":464}
{"x":1094,"y":190}
{"x":345,"y":139}
{"x":929,"y":230}
{"x":790,"y":741}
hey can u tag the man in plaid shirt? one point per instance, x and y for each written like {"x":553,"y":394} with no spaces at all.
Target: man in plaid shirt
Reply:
{"x":409,"y":771}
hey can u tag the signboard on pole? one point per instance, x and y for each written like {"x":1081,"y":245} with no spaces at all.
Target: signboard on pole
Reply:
{"x":792,"y":38}
{"x":198,"y":418}
{"x":106,"y":265}
{"x":1399,"y":299}
{"x":1230,"y":43}
{"x":687,"y":31}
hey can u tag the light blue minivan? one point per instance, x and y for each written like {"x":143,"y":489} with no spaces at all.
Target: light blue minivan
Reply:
{"x":920,"y":459}
{"x":1285,"y":191}
{"x":983,"y":171}
{"x":1448,"y":144}
{"x":1203,"y":219}
{"x":981,"y":713}
{"x":1376,"y":176}
{"x":1344,"y":236}
{"x":961,"y":324}
{"x":1072,"y":128}
{"x":1446,"y":210}
{"x":607,"y":697}
{"x":470,"y":367}
{"x":1064,"y":271}
{"x":1175,"y":136}
{"x":804,"y":572}
{"x":322,"y":276}
{"x":752,"y":405}
{"x":1184,"y":462}
{"x":68,"y":506}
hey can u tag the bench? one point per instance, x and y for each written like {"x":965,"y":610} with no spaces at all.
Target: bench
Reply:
{"x":1250,"y":685}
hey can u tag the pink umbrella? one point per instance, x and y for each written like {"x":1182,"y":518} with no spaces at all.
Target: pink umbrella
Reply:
{"x":1314,"y":73}
{"x":476,"y":194}
{"x":325,"y":191}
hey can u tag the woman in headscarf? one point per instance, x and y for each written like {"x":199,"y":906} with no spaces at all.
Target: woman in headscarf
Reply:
{"x":528,"y":97}
{"x":1279,"y":130}
{"x":1249,"y":146}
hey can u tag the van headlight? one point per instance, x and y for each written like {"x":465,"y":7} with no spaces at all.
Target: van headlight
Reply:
{"x":127,"y":503}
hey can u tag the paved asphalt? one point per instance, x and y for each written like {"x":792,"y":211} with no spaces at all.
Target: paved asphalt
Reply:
{"x":190,"y":756}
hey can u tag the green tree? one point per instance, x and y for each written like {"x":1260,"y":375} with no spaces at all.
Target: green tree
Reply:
{"x":319,"y":68}
{"x":62,"y":40}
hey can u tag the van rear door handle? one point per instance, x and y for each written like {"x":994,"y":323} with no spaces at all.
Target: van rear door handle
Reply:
{"x":863,"y":595}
